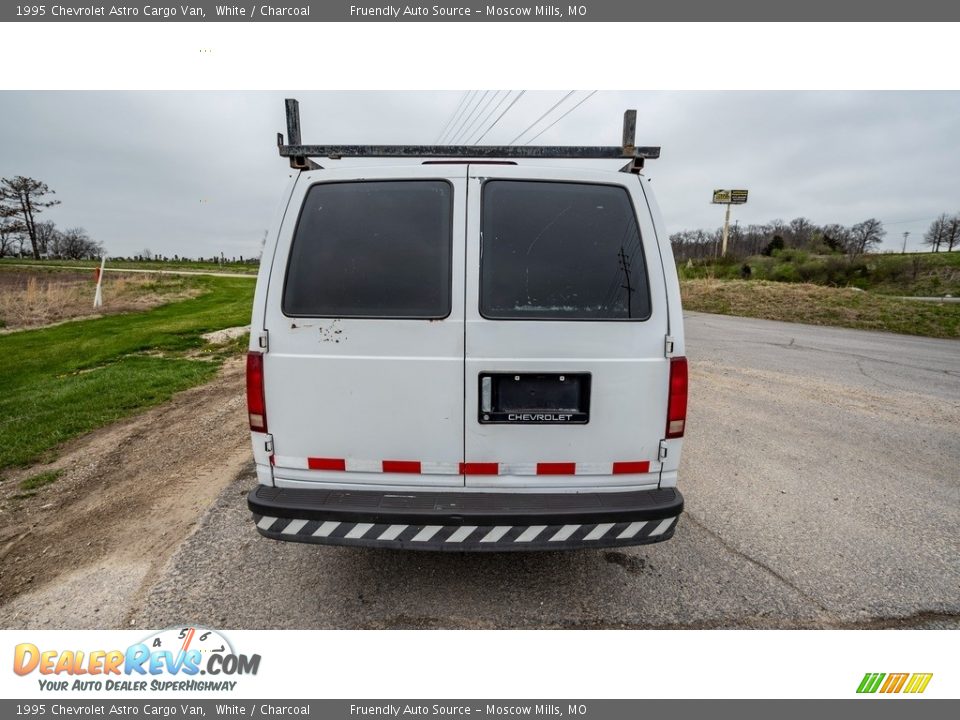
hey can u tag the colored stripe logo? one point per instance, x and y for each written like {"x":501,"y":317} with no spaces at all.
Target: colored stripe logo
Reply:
{"x":913,"y":683}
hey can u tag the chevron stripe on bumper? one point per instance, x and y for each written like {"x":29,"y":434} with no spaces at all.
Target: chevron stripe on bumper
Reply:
{"x":466,"y":521}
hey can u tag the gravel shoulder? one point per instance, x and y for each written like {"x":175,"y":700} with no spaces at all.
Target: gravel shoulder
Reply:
{"x":83,"y":551}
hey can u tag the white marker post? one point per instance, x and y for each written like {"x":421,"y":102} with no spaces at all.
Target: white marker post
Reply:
{"x":98,"y":297}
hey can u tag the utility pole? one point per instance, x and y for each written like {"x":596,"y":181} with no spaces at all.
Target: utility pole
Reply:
{"x":905,"y":236}
{"x":726,"y":231}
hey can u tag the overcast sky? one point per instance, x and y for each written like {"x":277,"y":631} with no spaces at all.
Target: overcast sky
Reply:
{"x":198,"y":173}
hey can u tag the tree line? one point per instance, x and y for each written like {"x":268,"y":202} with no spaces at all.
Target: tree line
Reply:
{"x":802,"y":234}
{"x":22,"y":200}
{"x":147,"y":255}
{"x":944,"y":232}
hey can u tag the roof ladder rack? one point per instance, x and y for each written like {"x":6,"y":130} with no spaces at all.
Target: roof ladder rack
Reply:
{"x":300,"y":155}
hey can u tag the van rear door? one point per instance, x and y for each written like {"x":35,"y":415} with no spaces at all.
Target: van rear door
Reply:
{"x":364,"y":374}
{"x":566,"y":380}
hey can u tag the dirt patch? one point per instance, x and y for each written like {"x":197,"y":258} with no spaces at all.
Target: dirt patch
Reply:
{"x":80,"y":551}
{"x":220,"y":337}
{"x":31,"y":299}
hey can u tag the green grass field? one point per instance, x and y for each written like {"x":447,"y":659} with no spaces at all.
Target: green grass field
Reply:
{"x":62,"y":381}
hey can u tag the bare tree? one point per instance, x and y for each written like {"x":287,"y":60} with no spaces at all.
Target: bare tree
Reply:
{"x":952,"y":232}
{"x":9,"y":230}
{"x":55,"y":245}
{"x":801,"y":230}
{"x":865,"y":236}
{"x":936,"y":233}
{"x":25,"y":196}
{"x":836,"y":236}
{"x":778,"y":227}
{"x":46,"y":237}
{"x":75,"y":244}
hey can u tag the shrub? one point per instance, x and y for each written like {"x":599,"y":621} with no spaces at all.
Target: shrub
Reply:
{"x":785,"y":272}
{"x":792,"y":255}
{"x":812,"y":271}
{"x":835,"y":271}
{"x":775,"y":244}
{"x":893,"y":269}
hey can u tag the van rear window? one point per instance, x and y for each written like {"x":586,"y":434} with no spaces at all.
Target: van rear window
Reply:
{"x":561,"y":251}
{"x":378,"y":249}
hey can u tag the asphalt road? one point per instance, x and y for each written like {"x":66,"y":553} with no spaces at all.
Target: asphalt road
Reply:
{"x":822,"y":477}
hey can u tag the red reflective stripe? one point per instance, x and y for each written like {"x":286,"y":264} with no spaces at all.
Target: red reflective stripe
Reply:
{"x":326,"y":463}
{"x":624,"y":468}
{"x":555,"y":468}
{"x":479,"y":468}
{"x":401,"y":466}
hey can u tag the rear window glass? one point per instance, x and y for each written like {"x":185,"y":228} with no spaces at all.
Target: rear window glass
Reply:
{"x":561,"y":251}
{"x":372,"y":249}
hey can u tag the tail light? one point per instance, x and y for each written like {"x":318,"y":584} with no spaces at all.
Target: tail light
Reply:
{"x":256,"y":401}
{"x":677,"y":402}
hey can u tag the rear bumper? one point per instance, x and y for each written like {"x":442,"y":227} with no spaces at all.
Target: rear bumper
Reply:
{"x":461,"y":521}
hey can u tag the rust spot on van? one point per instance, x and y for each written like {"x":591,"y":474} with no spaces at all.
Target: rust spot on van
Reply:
{"x":331,"y":332}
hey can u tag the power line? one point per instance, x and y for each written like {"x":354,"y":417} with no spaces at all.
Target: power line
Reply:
{"x":467,"y":116}
{"x":594,"y":92}
{"x":496,"y":107}
{"x":472,"y":126}
{"x":500,"y":116}
{"x":477,"y":112}
{"x":459,"y":113}
{"x":625,"y":264}
{"x":905,"y":222}
{"x":460,"y":110}
{"x":463,"y":114}
{"x":452,"y":116}
{"x":541,"y":117}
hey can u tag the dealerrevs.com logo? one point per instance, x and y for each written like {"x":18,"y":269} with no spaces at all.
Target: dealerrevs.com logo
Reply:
{"x":171,"y":659}
{"x":912,"y":683}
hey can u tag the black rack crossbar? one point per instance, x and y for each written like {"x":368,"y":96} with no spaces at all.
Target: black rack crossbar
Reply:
{"x":300,"y":154}
{"x":507,"y":152}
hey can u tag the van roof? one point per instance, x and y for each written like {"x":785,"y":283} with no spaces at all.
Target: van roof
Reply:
{"x":300,"y":155}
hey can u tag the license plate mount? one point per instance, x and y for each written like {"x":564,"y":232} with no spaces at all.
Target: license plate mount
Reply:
{"x":534,"y":398}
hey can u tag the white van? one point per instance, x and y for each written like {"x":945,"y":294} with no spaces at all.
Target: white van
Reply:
{"x":470,"y":351}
